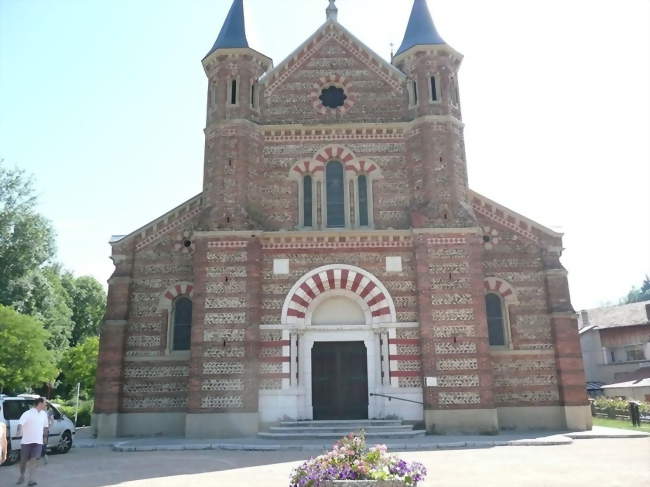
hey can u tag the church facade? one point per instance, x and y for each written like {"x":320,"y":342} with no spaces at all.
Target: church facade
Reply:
{"x":336,"y":264}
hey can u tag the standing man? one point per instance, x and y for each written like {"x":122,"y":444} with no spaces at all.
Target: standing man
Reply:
{"x":33,"y":426}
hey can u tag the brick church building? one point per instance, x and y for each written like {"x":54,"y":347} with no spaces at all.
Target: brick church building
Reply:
{"x":336,"y":262}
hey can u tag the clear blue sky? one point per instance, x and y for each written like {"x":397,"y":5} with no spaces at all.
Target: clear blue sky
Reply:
{"x":103,"y":101}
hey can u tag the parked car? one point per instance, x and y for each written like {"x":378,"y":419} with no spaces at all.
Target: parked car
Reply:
{"x":62,"y":429}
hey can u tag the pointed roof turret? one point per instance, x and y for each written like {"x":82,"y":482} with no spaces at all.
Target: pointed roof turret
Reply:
{"x":421,"y":29}
{"x":233,"y":32}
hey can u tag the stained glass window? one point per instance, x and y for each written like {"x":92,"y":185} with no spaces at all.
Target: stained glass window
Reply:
{"x":307,"y":202}
{"x":363,"y":200}
{"x":335,"y":195}
{"x":496,"y":328}
{"x":182,"y":324}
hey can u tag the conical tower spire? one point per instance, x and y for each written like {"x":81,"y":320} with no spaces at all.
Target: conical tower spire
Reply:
{"x":233,"y":32}
{"x":421,"y":29}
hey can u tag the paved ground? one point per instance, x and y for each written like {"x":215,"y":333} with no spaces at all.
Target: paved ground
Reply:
{"x":601,"y":462}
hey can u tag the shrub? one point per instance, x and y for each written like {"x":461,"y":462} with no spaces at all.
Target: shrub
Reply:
{"x":85,"y":410}
{"x":350,"y":459}
{"x":616,"y":407}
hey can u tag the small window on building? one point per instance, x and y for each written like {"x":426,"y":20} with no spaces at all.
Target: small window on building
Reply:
{"x":253,"y":95}
{"x":434,"y":89}
{"x":335,"y":194}
{"x":182,"y":325}
{"x":308,"y":201}
{"x":634,"y":352}
{"x":413,"y":92}
{"x":213,"y":94}
{"x":233,"y":92}
{"x":495,"y":319}
{"x":363,"y":200}
{"x":453,"y":88}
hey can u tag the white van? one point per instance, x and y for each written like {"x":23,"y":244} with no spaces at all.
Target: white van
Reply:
{"x":62,"y":429}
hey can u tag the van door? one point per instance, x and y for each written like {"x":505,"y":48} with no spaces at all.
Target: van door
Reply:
{"x":56,"y":426}
{"x":13,"y":409}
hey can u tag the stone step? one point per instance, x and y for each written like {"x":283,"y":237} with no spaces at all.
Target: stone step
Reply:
{"x":352,"y":423}
{"x":343,"y":430}
{"x":336,"y":436}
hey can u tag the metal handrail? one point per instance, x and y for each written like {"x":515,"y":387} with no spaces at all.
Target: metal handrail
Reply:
{"x":396,"y":398}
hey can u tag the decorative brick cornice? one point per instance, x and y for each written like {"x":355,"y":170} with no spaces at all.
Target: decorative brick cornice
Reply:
{"x":332,"y":30}
{"x":170,"y":221}
{"x":305,"y":242}
{"x":510,"y":219}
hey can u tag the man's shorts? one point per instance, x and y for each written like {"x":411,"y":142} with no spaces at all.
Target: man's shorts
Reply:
{"x":31,"y":451}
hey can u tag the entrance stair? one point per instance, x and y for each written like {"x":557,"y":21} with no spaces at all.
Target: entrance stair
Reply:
{"x":335,"y":429}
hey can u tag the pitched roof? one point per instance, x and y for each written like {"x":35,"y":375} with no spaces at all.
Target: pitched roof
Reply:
{"x":615,"y":316}
{"x":632,"y":383}
{"x":421,"y":29}
{"x":233,"y":32}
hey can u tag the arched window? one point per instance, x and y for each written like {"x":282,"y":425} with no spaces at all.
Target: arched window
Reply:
{"x":307,"y":202}
{"x":182,"y":324}
{"x":335,"y":193}
{"x":495,"y":319}
{"x":363,"y":200}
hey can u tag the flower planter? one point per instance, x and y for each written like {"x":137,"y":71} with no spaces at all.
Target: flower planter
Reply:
{"x":364,"y":483}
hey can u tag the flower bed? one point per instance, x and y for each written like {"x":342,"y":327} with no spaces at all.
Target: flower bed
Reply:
{"x":351,"y":463}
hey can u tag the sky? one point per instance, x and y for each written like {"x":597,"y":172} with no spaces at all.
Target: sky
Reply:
{"x":103,"y":101}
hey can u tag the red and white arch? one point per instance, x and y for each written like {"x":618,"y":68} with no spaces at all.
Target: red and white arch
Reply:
{"x":502,"y":288}
{"x":339,"y":279}
{"x":172,"y":292}
{"x":352,"y":164}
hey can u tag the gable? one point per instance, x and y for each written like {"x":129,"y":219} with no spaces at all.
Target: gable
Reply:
{"x":375,"y":90}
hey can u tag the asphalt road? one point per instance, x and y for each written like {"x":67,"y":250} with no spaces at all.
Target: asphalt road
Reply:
{"x":603,"y":463}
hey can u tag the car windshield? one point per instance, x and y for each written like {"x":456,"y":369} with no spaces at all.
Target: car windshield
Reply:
{"x":13,"y":409}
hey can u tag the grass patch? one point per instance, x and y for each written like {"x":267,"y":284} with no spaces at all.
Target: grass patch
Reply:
{"x":618,"y":423}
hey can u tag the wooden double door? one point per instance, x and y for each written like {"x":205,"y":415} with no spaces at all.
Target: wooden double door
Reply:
{"x":339,"y":380}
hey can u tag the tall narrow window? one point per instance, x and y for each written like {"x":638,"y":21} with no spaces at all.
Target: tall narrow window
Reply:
{"x":182,"y":325}
{"x":434,"y":89}
{"x":363,"y":200}
{"x":415,"y":92}
{"x":307,"y":202}
{"x":335,"y":195}
{"x":495,"y":319}
{"x":453,"y":87}
{"x":233,"y":92}
{"x":253,"y":95}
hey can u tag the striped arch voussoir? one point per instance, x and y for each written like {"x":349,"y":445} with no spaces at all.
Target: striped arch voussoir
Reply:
{"x":352,"y":164}
{"x":367,"y":288}
{"x":502,"y":288}
{"x":178,"y":289}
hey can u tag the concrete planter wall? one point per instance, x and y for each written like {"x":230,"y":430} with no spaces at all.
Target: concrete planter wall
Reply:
{"x":365,"y":483}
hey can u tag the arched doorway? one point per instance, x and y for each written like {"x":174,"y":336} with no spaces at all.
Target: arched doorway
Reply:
{"x":339,"y":369}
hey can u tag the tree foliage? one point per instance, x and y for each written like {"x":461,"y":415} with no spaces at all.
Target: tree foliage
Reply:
{"x":636,"y":295}
{"x":88,"y":304}
{"x":41,"y":294}
{"x":79,"y":365}
{"x":24,"y":359}
{"x":26,"y":238}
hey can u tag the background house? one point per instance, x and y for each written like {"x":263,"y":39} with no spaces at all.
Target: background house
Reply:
{"x":615,"y":342}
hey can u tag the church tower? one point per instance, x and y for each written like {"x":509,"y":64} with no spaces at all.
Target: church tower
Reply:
{"x":233,"y":108}
{"x":436,"y":145}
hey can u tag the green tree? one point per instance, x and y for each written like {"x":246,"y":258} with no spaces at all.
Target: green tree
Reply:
{"x":88,"y":304}
{"x":26,"y":238}
{"x":41,"y":294}
{"x":79,"y":365}
{"x":25,"y":362}
{"x":636,"y":295}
